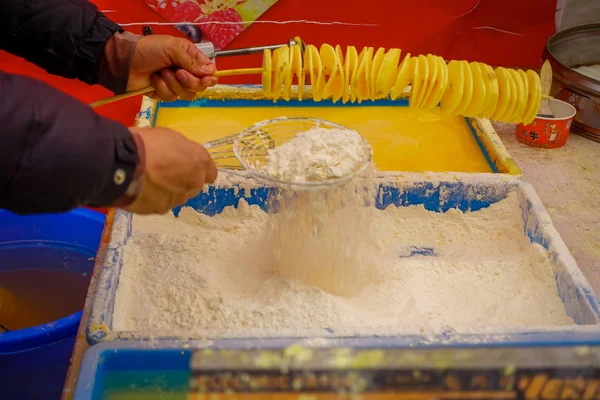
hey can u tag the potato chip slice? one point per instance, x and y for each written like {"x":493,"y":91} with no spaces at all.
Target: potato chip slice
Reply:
{"x":328,"y":55}
{"x":489,"y":77}
{"x":478,"y":103}
{"x":333,"y":68}
{"x":280,"y":58}
{"x":512,"y":100}
{"x":438,"y":83}
{"x":444,"y":80}
{"x":375,"y":70}
{"x":487,"y":86}
{"x":431,"y":81}
{"x":525,"y":81}
{"x":387,"y":74}
{"x":328,"y":58}
{"x":403,"y":78}
{"x":267,"y":72}
{"x":504,"y":94}
{"x":468,"y":90}
{"x":534,"y":96}
{"x":363,"y":75}
{"x":456,"y":87}
{"x":350,"y":65}
{"x":340,"y":53}
{"x":308,"y":65}
{"x":318,"y":64}
{"x":519,"y":112}
{"x":354,"y":80}
{"x":340,"y":56}
{"x":297,"y":69}
{"x":315,"y":71}
{"x":440,"y":86}
{"x":419,"y":81}
{"x":338,"y":88}
{"x":287,"y":72}
{"x":368,"y":71}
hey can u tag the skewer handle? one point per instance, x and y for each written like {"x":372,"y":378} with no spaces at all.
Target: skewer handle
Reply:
{"x":240,"y":71}
{"x":149,"y":89}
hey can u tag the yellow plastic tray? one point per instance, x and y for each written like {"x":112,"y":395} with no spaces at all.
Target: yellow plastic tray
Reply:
{"x":402,"y":139}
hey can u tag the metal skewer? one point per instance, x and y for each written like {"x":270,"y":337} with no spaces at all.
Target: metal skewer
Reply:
{"x":208,"y":49}
{"x":257,"y":49}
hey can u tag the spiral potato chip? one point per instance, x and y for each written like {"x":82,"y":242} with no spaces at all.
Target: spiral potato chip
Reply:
{"x":460,"y":88}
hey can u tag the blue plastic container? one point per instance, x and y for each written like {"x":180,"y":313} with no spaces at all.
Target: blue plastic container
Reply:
{"x":127,"y":368}
{"x":34,"y":361}
{"x":141,"y":370}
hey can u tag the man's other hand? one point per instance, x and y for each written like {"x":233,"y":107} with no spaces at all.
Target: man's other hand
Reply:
{"x":173,"y":66}
{"x":176,"y":169}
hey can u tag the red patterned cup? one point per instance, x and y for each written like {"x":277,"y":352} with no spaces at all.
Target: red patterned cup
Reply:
{"x":549,"y":133}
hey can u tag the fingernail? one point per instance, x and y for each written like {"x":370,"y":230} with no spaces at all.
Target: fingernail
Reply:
{"x":183,"y":77}
{"x":208,"y":69}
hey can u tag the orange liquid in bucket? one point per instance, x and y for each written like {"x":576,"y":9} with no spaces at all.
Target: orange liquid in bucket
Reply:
{"x":35,"y":297}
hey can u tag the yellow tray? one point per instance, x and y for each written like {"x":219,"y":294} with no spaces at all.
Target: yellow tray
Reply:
{"x":402,"y":139}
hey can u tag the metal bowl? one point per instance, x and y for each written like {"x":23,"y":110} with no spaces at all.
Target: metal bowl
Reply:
{"x":567,"y":50}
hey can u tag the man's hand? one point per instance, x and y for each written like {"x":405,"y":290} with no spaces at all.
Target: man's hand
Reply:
{"x":173,"y":66}
{"x":176,"y":170}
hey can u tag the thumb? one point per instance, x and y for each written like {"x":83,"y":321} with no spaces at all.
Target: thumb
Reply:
{"x":186,"y":56}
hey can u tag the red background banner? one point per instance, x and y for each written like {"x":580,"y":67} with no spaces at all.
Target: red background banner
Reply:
{"x":497,"y":32}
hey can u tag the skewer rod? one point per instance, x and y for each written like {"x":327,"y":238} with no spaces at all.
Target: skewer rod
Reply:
{"x":246,"y":51}
{"x":241,"y":71}
{"x":149,"y":89}
{"x":252,"y":50}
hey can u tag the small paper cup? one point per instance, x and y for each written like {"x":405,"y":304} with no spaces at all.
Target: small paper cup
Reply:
{"x":549,"y":133}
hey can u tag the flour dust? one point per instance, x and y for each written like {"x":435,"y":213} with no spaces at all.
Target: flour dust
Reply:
{"x":319,"y":239}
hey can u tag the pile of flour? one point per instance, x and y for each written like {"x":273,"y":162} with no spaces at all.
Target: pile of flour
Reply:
{"x":337,"y":265}
{"x":318,"y":154}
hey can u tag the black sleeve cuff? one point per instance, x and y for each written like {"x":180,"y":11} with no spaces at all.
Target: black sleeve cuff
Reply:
{"x":91,"y":50}
{"x":122,"y":172}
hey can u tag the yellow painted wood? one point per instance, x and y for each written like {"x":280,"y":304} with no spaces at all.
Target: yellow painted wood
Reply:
{"x":402,"y":139}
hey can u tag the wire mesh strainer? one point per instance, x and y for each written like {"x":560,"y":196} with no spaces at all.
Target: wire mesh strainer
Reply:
{"x":252,"y":148}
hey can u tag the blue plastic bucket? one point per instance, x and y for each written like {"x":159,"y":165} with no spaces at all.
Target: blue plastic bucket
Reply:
{"x":34,"y":361}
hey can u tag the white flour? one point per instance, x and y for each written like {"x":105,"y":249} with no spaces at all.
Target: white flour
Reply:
{"x":316,"y":155}
{"x":197,"y":274}
{"x":592,"y":71}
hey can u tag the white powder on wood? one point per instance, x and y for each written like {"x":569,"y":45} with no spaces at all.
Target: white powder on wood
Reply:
{"x":592,"y":71}
{"x":196,"y":274}
{"x":316,"y":155}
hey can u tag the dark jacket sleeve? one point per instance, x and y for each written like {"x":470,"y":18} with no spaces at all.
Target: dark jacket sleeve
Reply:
{"x":65,"y":37}
{"x":56,"y":153}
